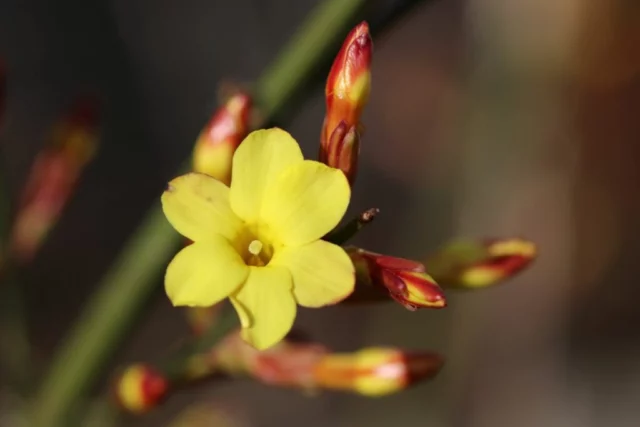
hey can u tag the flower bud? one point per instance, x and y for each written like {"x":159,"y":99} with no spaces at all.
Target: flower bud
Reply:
{"x":53,"y":177}
{"x":376,"y":371}
{"x":214,"y":149}
{"x":140,"y":388}
{"x":406,"y":281}
{"x":343,"y":150}
{"x":346,"y":94}
{"x":478,"y":264}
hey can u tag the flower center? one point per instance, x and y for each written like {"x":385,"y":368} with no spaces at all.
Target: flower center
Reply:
{"x":257,"y":252}
{"x":255,"y":247}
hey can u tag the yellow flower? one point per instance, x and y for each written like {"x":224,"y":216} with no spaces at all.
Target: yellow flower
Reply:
{"x":258,"y":241}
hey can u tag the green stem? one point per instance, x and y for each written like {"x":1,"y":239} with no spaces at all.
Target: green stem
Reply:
{"x":341,"y":235}
{"x":111,"y":311}
{"x":15,"y":351}
{"x":174,"y":367}
{"x":307,"y":48}
{"x":105,"y":319}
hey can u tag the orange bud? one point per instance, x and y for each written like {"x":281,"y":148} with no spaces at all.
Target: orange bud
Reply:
{"x":376,"y":371}
{"x":346,"y":94}
{"x":406,"y":281}
{"x":140,"y":388}
{"x":480,"y":264}
{"x":53,"y":177}
{"x":214,"y":149}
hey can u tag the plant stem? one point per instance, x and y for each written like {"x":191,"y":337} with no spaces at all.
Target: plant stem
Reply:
{"x":174,"y":367}
{"x":304,"y":52}
{"x":105,"y":319}
{"x":341,"y":235}
{"x":122,"y":292}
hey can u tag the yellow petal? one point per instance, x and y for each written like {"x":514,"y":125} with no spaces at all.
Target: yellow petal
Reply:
{"x":266,"y":306}
{"x":198,"y":207}
{"x":258,"y":161}
{"x":204,"y":273}
{"x":307,"y":201}
{"x":322,"y":272}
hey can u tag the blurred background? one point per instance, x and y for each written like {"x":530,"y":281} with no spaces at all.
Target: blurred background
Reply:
{"x":487,"y":118}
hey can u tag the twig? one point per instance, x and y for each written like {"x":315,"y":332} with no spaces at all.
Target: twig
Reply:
{"x":342,"y":234}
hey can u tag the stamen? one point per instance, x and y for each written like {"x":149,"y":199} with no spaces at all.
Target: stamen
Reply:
{"x":255,"y":247}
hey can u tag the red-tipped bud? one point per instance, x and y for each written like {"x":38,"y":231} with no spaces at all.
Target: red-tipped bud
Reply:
{"x":343,"y":150}
{"x":376,"y":371}
{"x":406,"y":281}
{"x":53,"y":177}
{"x":346,"y":94}
{"x":214,"y":149}
{"x":140,"y":388}
{"x":480,"y":264}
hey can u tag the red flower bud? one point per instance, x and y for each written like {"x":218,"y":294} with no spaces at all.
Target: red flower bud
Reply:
{"x":53,"y":177}
{"x":346,"y":94}
{"x":406,"y":281}
{"x":478,"y":264}
{"x":140,"y":388}
{"x":214,"y":149}
{"x":343,"y":150}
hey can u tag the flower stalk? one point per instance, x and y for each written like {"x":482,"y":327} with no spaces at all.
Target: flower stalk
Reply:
{"x":341,"y":235}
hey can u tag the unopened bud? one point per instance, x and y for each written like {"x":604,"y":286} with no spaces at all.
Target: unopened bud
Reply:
{"x":376,"y":371}
{"x":346,"y":94}
{"x":405,"y":281}
{"x":343,"y":150}
{"x":214,"y":149}
{"x":53,"y":177}
{"x":140,"y":388}
{"x":478,"y":264}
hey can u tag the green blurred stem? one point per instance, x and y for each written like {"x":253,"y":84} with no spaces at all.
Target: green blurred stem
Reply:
{"x":174,"y":367}
{"x":106,"y":319}
{"x":312,"y":43}
{"x":128,"y":285}
{"x":15,"y":350}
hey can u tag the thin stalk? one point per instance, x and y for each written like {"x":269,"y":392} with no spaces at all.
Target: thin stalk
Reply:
{"x":343,"y":234}
{"x":174,"y":367}
{"x":308,"y":47}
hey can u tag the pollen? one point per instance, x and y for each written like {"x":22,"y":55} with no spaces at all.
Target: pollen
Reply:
{"x":255,"y":247}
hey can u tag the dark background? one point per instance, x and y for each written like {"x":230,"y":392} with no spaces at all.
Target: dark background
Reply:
{"x":487,"y":117}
